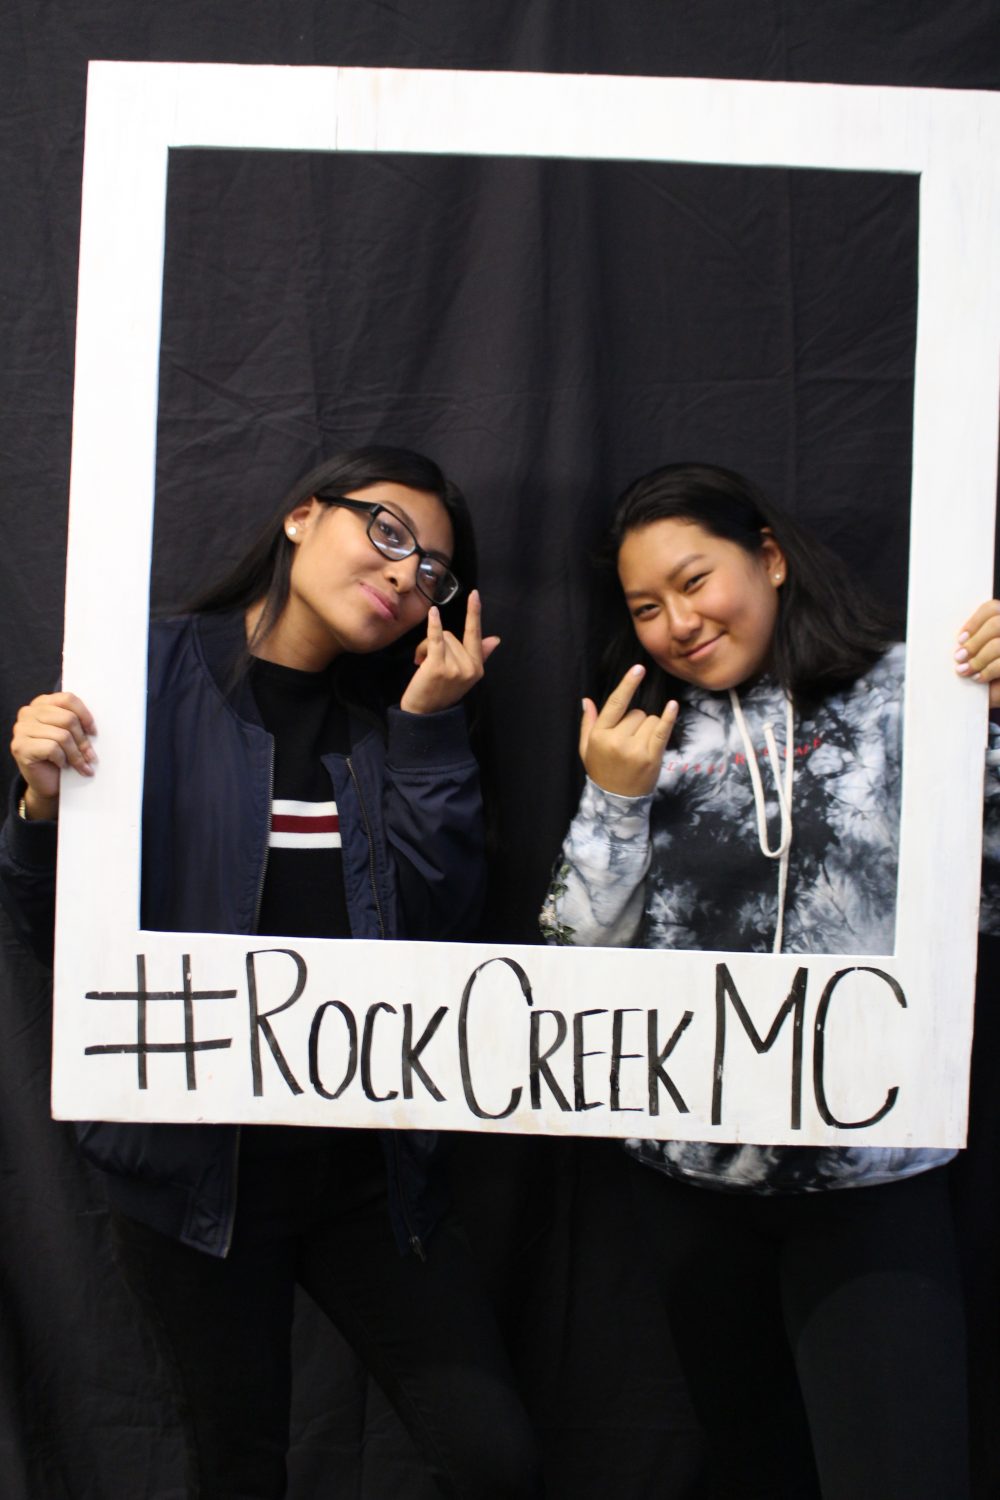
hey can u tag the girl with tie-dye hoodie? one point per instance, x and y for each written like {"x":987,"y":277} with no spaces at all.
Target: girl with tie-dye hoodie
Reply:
{"x":742,"y":794}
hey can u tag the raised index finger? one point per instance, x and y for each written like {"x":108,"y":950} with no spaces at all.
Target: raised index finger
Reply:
{"x":472,"y":639}
{"x":618,"y":701}
{"x":432,"y":654}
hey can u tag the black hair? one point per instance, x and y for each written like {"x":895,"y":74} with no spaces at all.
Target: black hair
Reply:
{"x":264,"y":572}
{"x":828,"y":630}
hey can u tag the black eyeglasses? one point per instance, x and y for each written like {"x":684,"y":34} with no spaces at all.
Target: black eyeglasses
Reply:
{"x":391,"y":536}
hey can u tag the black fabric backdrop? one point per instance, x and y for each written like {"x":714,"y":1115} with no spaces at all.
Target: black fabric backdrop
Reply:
{"x":546,"y":330}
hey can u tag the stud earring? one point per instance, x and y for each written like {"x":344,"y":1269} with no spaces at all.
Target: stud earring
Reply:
{"x":292,"y":530}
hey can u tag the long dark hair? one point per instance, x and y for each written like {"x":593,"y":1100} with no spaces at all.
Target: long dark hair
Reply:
{"x":264,"y":572}
{"x":828,"y":630}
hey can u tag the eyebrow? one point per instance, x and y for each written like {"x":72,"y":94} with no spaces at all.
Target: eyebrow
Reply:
{"x":685,"y":562}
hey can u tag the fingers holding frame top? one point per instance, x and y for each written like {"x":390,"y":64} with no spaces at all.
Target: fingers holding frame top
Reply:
{"x":622,"y":747}
{"x":52,"y":733}
{"x":978,"y":654}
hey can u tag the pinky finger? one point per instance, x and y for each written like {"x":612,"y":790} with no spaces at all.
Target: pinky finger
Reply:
{"x":666,"y":721}
{"x":472,"y":638}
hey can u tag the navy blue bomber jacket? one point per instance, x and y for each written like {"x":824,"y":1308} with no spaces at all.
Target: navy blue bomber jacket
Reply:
{"x":412,"y":844}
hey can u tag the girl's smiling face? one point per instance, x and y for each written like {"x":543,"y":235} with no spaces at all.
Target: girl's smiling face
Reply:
{"x":345,"y":595}
{"x":703,"y":607}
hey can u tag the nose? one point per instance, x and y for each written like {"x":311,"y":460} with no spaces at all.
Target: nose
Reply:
{"x":683,"y":617}
{"x":401,"y":572}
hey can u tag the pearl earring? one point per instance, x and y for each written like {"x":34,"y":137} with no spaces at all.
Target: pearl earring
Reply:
{"x":292,"y":530}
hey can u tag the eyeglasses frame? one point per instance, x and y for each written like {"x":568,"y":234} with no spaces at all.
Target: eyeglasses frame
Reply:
{"x":371,"y":508}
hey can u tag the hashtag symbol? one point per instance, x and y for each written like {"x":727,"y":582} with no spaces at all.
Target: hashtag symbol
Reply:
{"x":142,"y":1048}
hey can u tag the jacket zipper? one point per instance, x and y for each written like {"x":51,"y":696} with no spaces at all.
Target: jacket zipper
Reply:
{"x":231,"y":1220}
{"x":371,"y":847}
{"x":263,"y":864}
{"x":231,"y":1224}
{"x":415,"y":1242}
{"x":413,"y":1238}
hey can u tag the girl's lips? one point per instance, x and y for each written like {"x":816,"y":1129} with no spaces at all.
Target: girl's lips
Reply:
{"x":700,"y":652}
{"x":383,"y":606}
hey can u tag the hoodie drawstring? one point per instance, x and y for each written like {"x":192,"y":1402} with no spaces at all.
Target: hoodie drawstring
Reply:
{"x":784,"y":798}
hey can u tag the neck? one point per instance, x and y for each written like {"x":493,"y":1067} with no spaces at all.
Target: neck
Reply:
{"x":289,"y":643}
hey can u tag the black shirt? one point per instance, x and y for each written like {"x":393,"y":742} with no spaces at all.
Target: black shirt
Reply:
{"x":304,"y":883}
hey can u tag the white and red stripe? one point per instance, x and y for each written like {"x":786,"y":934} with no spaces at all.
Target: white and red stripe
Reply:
{"x":304,"y":825}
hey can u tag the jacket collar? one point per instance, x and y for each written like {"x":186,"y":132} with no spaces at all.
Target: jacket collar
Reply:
{"x":223,"y":643}
{"x":222,"y":639}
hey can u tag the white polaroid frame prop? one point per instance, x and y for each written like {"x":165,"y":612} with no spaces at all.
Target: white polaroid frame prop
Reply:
{"x":168,"y":1026}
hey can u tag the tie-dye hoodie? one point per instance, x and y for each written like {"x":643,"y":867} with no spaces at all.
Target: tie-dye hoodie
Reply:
{"x":682,"y":868}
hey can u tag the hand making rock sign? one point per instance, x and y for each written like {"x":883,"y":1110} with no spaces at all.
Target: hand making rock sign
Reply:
{"x":621,"y":747}
{"x":446,"y":666}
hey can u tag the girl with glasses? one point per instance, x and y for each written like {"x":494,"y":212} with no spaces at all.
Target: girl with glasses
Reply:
{"x":308,"y":772}
{"x":813,"y":1293}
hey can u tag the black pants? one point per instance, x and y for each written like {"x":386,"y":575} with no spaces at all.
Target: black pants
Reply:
{"x":317,"y":1215}
{"x":828,"y":1321}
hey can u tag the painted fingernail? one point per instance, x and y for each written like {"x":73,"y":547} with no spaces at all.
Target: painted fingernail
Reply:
{"x":962,"y":655}
{"x":963,"y":637}
{"x":636,"y":671}
{"x":963,"y":670}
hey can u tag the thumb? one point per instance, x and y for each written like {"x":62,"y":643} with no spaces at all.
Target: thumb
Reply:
{"x":587,"y":723}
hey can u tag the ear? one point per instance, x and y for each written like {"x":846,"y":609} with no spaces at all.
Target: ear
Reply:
{"x":772,"y":560}
{"x":298,"y":521}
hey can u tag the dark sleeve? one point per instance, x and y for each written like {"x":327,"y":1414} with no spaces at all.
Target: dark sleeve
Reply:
{"x":434,"y":824}
{"x":989,"y":905}
{"x":28,"y":876}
